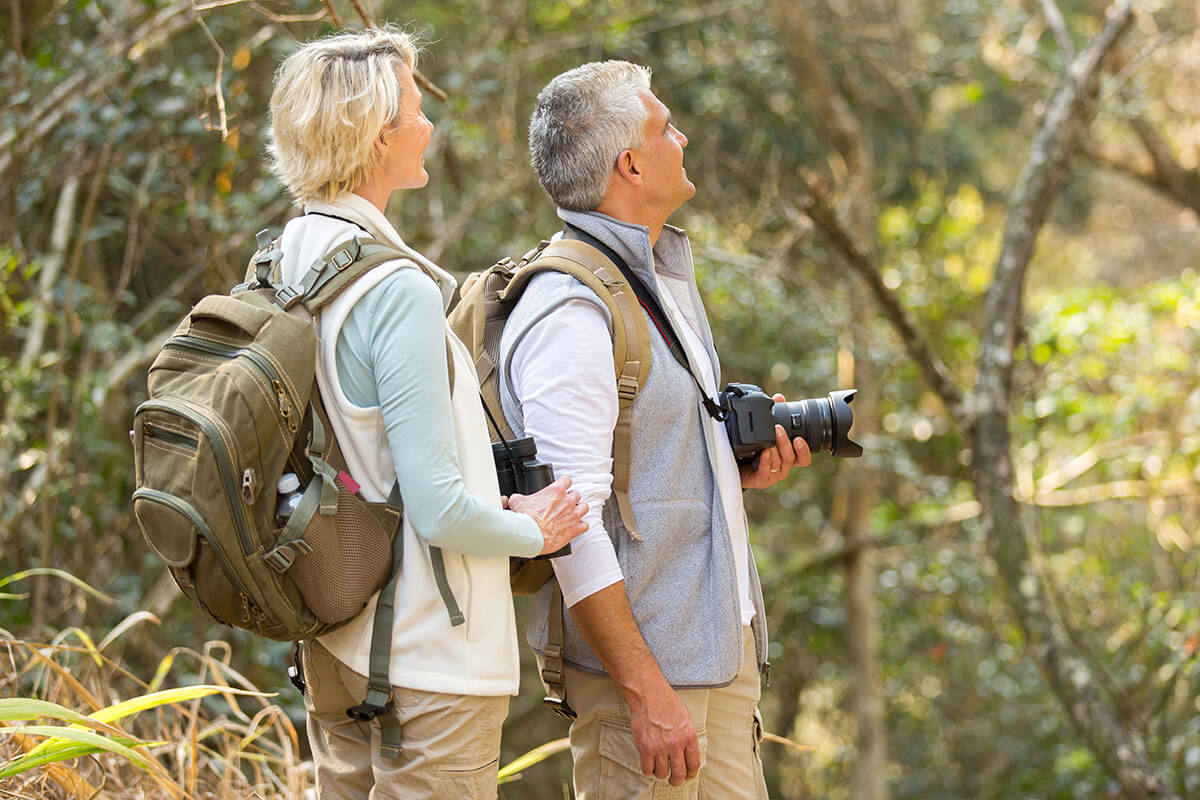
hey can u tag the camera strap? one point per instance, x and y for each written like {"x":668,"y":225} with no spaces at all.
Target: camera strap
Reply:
{"x":507,"y":447}
{"x":654,"y":311}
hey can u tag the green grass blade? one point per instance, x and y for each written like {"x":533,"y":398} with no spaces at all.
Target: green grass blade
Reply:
{"x":85,"y":638}
{"x":125,"y":624}
{"x":54,"y":750}
{"x":511,"y":771}
{"x":20,"y":709}
{"x":160,"y":674}
{"x":94,"y":742}
{"x":136,"y":705}
{"x":56,"y":573}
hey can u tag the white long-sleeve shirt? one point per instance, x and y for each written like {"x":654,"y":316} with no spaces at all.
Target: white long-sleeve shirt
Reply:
{"x":562,"y":371}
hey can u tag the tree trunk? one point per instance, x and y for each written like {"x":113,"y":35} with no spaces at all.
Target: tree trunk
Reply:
{"x":1069,"y":675}
{"x":847,"y":145}
{"x":862,"y":626}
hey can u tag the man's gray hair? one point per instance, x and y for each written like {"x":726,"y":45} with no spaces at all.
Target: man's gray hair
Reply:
{"x":583,"y":119}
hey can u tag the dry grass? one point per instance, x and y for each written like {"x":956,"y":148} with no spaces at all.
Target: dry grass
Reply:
{"x":235,"y":743}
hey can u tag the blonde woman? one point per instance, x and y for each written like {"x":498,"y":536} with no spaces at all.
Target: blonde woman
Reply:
{"x":347,"y":132}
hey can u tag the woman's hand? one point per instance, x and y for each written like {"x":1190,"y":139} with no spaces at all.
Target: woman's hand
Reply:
{"x":557,"y":510}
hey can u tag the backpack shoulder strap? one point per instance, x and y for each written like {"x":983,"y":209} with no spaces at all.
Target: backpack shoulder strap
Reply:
{"x":631,"y":341}
{"x":328,"y":277}
{"x":345,"y":262}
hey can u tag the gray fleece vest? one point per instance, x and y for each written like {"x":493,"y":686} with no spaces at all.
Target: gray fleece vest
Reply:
{"x":680,"y":576}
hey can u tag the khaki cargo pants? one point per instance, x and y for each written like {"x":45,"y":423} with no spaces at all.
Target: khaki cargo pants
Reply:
{"x":607,"y":764}
{"x":450,"y":744}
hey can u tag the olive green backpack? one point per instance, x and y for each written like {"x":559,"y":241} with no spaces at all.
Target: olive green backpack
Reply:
{"x":487,"y":300}
{"x":233,"y":405}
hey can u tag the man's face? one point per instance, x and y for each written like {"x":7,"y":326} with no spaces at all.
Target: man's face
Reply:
{"x":666,"y":182}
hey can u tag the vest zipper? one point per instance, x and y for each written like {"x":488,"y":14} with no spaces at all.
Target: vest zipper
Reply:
{"x":222,"y":448}
{"x":193,"y":516}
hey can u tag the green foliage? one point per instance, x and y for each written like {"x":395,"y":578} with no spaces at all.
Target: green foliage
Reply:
{"x":947,"y":93}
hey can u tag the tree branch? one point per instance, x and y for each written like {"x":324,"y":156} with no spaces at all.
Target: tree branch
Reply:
{"x":1122,"y":751}
{"x":1054,"y":19}
{"x":84,"y":83}
{"x":818,"y":208}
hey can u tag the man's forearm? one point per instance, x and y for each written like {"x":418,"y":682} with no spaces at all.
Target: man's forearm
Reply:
{"x":661,"y":724}
{"x":606,"y":622}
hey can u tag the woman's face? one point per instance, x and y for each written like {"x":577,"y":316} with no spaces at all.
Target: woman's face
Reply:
{"x":403,"y":144}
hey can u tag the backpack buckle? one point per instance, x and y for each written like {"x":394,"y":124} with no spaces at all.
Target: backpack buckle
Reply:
{"x":560,"y":707}
{"x":346,"y":256}
{"x":368,"y":710}
{"x":627,"y":388}
{"x":280,"y":558}
{"x":286,"y":297}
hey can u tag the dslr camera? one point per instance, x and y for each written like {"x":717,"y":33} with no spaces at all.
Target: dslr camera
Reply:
{"x":751,"y":416}
{"x":519,"y":472}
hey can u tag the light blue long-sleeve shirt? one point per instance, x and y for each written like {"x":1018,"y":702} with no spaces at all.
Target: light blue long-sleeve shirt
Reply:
{"x":391,"y":353}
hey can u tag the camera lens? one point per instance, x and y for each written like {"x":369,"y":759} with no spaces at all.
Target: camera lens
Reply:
{"x":822,"y":422}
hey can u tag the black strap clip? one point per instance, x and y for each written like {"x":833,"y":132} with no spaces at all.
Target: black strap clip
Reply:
{"x":296,"y":676}
{"x":369,"y":709}
{"x":295,"y":671}
{"x":560,"y":706}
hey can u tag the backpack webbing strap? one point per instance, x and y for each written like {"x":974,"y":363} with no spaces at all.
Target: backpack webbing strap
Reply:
{"x":345,"y":263}
{"x":554,"y":677}
{"x":631,"y":342}
{"x":439,"y":574}
{"x":342,"y":266}
{"x":320,"y":497}
{"x":378,"y":702}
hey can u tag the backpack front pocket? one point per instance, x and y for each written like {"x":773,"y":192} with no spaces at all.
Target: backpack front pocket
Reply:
{"x":179,"y":535}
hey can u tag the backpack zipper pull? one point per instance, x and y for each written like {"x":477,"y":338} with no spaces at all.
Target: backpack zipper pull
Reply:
{"x":250,"y":485}
{"x":285,"y":405}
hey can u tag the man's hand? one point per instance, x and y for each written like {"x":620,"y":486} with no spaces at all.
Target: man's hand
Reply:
{"x":663,"y":732}
{"x":774,"y":463}
{"x":661,"y":724}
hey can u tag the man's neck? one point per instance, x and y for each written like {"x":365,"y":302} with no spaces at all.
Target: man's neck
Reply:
{"x":628,"y":212}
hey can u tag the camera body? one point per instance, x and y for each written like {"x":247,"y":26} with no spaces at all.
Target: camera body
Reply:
{"x":519,"y":472}
{"x":824,"y":423}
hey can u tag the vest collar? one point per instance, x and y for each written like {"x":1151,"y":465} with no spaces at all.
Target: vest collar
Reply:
{"x":363,"y":212}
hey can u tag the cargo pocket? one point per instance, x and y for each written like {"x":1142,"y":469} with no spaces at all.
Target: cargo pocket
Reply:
{"x":170,"y":525}
{"x":477,"y":782}
{"x":621,"y":768}
{"x":760,"y":784}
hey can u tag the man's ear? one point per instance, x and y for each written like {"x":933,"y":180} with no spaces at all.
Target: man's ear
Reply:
{"x":628,"y":168}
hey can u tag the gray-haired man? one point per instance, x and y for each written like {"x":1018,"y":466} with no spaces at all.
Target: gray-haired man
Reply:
{"x":665,"y":637}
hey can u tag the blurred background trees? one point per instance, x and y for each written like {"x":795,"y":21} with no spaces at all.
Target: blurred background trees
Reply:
{"x":1000,"y":600}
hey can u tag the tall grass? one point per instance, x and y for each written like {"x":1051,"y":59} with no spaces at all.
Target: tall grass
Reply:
{"x":75,"y":723}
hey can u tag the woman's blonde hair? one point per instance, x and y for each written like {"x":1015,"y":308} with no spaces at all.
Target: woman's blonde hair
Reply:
{"x":332,"y":98}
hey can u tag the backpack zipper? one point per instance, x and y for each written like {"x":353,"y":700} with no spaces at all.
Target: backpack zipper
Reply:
{"x":169,"y":436}
{"x":222,"y":449}
{"x":284,"y":395}
{"x":193,"y":516}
